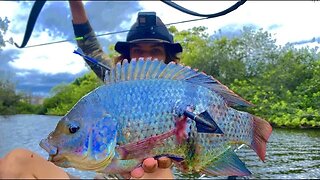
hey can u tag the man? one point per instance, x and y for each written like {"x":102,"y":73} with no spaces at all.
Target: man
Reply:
{"x":148,"y":37}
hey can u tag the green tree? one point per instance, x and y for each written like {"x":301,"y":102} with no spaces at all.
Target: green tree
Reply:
{"x":287,"y":92}
{"x":65,"y":96}
{"x":8,"y":98}
{"x":14,"y":103}
{"x":10,"y":101}
{"x":226,"y":58}
{"x":4,"y":24}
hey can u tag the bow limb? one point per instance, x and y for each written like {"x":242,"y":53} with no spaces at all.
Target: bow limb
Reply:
{"x":35,"y":11}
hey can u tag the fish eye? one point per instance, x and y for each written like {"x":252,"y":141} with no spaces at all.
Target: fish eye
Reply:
{"x":73,"y":129}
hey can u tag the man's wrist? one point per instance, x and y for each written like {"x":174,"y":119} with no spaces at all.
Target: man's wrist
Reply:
{"x":82,"y":29}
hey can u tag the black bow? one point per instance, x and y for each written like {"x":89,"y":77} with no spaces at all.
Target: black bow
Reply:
{"x":35,"y":11}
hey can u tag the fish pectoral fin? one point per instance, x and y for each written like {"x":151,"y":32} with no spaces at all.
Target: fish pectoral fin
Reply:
{"x":120,"y":169}
{"x":204,"y":122}
{"x":143,"y":147}
{"x":227,"y":164}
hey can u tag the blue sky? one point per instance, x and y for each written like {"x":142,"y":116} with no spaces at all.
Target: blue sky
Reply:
{"x":36,"y":70}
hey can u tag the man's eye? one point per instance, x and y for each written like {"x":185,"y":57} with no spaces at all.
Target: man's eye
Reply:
{"x":137,"y":51}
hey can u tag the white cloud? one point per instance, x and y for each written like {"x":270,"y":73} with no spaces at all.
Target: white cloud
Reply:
{"x":310,"y":45}
{"x":56,"y":58}
{"x":8,"y":9}
{"x":22,"y":73}
{"x":11,"y":9}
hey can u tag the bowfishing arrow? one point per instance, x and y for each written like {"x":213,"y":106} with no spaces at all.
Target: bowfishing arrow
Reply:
{"x":92,"y":60}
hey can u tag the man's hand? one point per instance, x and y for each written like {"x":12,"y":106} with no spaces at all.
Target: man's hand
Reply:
{"x":154,"y":169}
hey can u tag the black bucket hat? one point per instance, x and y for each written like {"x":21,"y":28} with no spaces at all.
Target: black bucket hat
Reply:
{"x":148,"y":27}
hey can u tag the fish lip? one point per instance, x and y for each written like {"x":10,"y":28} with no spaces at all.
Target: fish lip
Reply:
{"x":52,"y":150}
{"x":56,"y":158}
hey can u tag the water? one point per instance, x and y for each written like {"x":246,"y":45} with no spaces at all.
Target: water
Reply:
{"x":291,"y":154}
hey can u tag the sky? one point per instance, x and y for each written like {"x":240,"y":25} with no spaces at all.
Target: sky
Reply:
{"x":36,"y":70}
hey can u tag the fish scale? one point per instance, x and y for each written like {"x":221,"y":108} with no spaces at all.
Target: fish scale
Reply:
{"x":148,"y":108}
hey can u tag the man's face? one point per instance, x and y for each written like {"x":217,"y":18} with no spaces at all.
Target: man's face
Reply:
{"x":147,"y":49}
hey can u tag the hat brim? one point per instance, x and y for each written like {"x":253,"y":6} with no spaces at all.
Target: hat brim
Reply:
{"x":124,"y":47}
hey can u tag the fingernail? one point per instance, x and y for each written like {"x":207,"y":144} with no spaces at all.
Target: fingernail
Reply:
{"x":149,"y":165}
{"x":164,"y":162}
{"x":137,"y":173}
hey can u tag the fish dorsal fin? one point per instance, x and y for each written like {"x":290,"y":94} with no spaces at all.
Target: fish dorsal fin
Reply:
{"x":155,"y":69}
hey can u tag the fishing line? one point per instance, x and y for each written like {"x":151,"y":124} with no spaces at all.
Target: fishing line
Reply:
{"x":36,"y":9}
{"x":105,"y":34}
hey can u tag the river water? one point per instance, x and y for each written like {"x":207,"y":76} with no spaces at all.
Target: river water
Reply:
{"x":291,"y":154}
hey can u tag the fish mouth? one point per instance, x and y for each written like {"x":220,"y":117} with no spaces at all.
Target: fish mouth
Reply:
{"x":70,"y":160}
{"x":54,"y":155}
{"x":52,"y":150}
{"x":58,"y":160}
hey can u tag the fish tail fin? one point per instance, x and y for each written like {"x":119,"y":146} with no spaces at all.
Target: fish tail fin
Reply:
{"x":261,"y":133}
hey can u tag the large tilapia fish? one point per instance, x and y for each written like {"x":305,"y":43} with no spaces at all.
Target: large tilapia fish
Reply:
{"x":151,"y":109}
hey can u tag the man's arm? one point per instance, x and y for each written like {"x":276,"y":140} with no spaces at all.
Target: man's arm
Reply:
{"x":87,"y":40}
{"x":91,"y":47}
{"x":79,"y":15}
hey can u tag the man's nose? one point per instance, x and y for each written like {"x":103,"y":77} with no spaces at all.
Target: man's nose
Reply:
{"x":145,"y":55}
